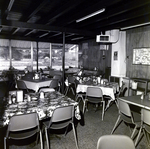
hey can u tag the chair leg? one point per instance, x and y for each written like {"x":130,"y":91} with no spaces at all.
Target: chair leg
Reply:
{"x":41,"y":140}
{"x":147,"y":137}
{"x":47,"y":138}
{"x":138,"y":136}
{"x":103,"y":112}
{"x":132,"y":135}
{"x":5,"y":147}
{"x":75,"y":136}
{"x":84,"y":105}
{"x":118,"y":122}
{"x":66,"y":90}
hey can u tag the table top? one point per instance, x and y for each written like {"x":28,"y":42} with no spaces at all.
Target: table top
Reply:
{"x":36,"y":80}
{"x":44,"y":107}
{"x":137,"y":101}
{"x":141,"y":79}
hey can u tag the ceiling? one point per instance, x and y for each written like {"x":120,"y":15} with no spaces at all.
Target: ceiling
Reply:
{"x":51,"y":20}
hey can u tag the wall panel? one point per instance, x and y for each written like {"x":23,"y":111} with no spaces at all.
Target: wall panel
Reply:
{"x":137,"y":38}
{"x":90,"y":56}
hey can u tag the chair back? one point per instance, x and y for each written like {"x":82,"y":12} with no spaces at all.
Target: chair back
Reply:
{"x":58,"y":77}
{"x":21,"y":85}
{"x":23,"y":122}
{"x":94,"y":92}
{"x":54,"y":84}
{"x":124,"y":108}
{"x":146,"y":119}
{"x":61,"y":114}
{"x":115,"y":142}
{"x":71,"y":79}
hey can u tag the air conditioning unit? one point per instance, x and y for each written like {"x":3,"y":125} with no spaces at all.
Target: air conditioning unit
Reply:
{"x":110,"y":36}
{"x":102,"y":38}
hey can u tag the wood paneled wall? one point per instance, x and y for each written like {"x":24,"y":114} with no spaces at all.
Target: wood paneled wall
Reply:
{"x":90,"y":56}
{"x":137,"y":38}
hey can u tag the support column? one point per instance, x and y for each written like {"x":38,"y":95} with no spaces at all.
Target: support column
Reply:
{"x":37,"y":57}
{"x":10,"y":53}
{"x":63,"y":63}
{"x":32,"y":55}
{"x":50,"y":55}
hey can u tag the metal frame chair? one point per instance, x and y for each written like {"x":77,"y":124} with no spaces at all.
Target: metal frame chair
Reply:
{"x":53,"y":85}
{"x":115,"y":142}
{"x":62,"y":117}
{"x":23,"y":126}
{"x":94,"y":95}
{"x":71,"y":84}
{"x":125,"y":115}
{"x":145,"y":126}
{"x":22,"y":86}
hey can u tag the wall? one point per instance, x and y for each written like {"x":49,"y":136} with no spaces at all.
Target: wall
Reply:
{"x":118,"y":63}
{"x":136,"y":38}
{"x":90,"y":56}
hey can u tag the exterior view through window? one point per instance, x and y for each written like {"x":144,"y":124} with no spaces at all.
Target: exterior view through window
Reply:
{"x":20,"y":54}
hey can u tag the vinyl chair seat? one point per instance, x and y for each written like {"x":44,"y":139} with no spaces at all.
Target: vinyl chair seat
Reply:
{"x":115,"y":142}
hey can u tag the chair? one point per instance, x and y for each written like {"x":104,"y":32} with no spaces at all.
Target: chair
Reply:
{"x":71,"y":85}
{"x":22,"y":86}
{"x":22,"y":127}
{"x":125,"y":115}
{"x":94,"y":95}
{"x":53,"y":85}
{"x":145,"y":126}
{"x":115,"y":142}
{"x":62,"y":118}
{"x":59,"y":78}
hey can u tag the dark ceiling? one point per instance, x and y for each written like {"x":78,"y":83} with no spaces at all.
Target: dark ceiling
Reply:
{"x":48,"y":20}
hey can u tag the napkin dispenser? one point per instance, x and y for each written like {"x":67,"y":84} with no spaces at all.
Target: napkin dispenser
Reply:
{"x":42,"y":95}
{"x":36,"y":76}
{"x":17,"y":94}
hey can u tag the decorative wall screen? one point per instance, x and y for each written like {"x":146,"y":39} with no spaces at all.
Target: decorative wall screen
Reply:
{"x":141,"y":56}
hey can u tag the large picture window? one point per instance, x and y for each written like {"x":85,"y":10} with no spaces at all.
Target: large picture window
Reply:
{"x":24,"y":53}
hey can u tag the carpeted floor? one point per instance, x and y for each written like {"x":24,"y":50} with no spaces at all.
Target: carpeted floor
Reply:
{"x":89,"y":133}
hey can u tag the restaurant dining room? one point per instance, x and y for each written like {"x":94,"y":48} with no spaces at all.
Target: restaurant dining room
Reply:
{"x":74,"y":74}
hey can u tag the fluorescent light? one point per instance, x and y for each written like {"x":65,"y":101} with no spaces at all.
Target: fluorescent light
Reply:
{"x":77,"y":38}
{"x":138,"y":25}
{"x":43,"y":35}
{"x":10,"y":4}
{"x":91,"y":15}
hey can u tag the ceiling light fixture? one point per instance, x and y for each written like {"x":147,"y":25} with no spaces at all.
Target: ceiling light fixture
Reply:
{"x":77,"y":38}
{"x":91,"y":15}
{"x":43,"y":35}
{"x":133,"y":26}
{"x":10,"y":5}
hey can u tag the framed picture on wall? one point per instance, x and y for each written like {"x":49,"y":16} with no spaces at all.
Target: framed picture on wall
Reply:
{"x":141,"y":56}
{"x":115,"y":55}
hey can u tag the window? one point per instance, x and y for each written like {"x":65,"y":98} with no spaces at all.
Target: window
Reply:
{"x":4,"y":54}
{"x":24,"y":53}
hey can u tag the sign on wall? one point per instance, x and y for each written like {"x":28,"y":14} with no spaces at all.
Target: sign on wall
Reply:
{"x":141,"y":56}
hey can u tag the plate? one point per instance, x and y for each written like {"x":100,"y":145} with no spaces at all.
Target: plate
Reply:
{"x":34,"y":98}
{"x":12,"y":106}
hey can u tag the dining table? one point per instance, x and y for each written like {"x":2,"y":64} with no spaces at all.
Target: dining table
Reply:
{"x":36,"y":84}
{"x":43,"y":106}
{"x":109,"y":89}
{"x":139,"y":101}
